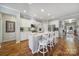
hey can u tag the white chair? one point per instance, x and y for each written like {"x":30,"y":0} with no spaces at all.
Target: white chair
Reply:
{"x":43,"y":45}
{"x":50,"y":40}
{"x":70,"y":37}
{"x":54,"y":38}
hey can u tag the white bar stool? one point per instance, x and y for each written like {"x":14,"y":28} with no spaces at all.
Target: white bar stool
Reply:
{"x":50,"y":40}
{"x":43,"y":45}
{"x":54,"y":38}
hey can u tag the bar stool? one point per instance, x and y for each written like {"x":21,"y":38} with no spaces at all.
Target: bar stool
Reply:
{"x":54,"y":38}
{"x":50,"y":40}
{"x":43,"y":45}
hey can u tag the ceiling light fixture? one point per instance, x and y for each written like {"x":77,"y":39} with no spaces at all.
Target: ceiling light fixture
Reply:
{"x":24,"y":11}
{"x":48,"y":14}
{"x":42,"y":10}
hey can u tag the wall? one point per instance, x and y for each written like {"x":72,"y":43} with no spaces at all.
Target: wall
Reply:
{"x":0,"y":28}
{"x":26,"y":23}
{"x":77,"y":26}
{"x":8,"y":36}
{"x":10,"y":11}
{"x":55,"y":22}
{"x":45,"y":26}
{"x":17,"y":35}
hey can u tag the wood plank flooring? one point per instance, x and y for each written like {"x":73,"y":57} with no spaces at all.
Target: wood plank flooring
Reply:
{"x":62,"y":48}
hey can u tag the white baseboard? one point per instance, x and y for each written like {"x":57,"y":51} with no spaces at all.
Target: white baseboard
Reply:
{"x":17,"y":41}
{"x":0,"y":45}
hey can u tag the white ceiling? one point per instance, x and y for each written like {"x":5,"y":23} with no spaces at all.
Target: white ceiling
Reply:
{"x":56,"y":10}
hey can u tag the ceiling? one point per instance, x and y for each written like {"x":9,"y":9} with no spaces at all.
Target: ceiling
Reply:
{"x":45,"y":11}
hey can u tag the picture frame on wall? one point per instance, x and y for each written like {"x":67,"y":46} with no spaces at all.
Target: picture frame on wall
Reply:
{"x":10,"y":26}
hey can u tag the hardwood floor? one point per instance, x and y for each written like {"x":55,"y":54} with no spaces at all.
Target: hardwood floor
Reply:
{"x":9,"y":48}
{"x":62,"y":48}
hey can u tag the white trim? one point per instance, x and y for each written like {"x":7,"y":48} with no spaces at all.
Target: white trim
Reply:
{"x":33,"y":52}
{"x":17,"y":41}
{"x":8,"y":7}
{"x":0,"y":45}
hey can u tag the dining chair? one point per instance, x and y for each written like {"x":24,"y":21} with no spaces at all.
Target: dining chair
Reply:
{"x":50,"y":40}
{"x":43,"y":45}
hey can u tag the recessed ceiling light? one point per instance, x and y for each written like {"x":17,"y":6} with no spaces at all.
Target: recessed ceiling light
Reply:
{"x":24,"y":11}
{"x":42,"y":10}
{"x":48,"y":14}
